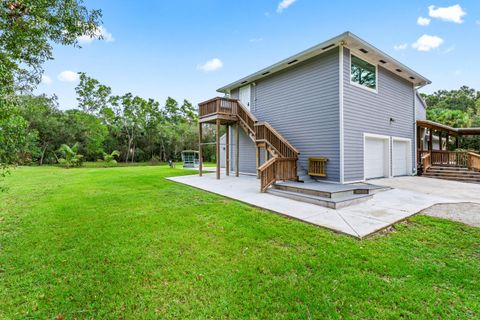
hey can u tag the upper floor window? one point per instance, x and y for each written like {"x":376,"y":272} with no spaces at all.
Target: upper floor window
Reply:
{"x":363,"y":73}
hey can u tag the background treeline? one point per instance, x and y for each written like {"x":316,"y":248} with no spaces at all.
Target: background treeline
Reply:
{"x":456,"y":108}
{"x":140,"y":129}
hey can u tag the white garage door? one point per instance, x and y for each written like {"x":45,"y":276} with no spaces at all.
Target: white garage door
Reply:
{"x":376,"y":158}
{"x":401,"y":155}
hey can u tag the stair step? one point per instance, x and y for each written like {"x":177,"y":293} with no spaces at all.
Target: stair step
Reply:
{"x":448,"y":168}
{"x":453,"y":174}
{"x":459,"y":179}
{"x":333,"y":203}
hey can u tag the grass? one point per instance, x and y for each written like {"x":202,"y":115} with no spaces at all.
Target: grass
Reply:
{"x":124,"y":243}
{"x":101,"y":164}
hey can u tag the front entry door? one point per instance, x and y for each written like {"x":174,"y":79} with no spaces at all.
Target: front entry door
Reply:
{"x":244,"y":96}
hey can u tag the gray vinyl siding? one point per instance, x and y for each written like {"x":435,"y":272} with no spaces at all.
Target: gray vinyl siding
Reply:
{"x":247,"y":153}
{"x":302,"y":104}
{"x":369,"y":112}
{"x":420,"y":109}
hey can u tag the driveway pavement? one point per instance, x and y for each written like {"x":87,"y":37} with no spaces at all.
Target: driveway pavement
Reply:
{"x":409,"y":196}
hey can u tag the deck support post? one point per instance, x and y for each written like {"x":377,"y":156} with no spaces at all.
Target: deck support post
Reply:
{"x":218,"y":148}
{"x":457,"y":142}
{"x":200,"y":156}
{"x":237,"y":153}
{"x":227,"y":150}
{"x":258,"y":160}
{"x":447,"y":139}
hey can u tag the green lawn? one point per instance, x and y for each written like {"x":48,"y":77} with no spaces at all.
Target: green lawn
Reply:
{"x":124,"y":243}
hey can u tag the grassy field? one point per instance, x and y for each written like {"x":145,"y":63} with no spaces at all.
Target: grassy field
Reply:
{"x":124,"y":243}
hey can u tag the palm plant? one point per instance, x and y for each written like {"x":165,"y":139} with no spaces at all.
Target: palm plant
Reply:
{"x":110,"y":158}
{"x":70,"y":158}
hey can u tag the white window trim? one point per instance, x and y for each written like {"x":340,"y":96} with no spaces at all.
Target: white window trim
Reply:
{"x":360,"y":85}
{"x":409,"y":160}
{"x":383,"y":137}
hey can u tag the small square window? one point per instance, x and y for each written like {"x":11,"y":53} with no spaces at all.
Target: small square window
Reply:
{"x":363,"y":73}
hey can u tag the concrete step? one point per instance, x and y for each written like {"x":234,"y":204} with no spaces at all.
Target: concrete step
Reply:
{"x":321,"y":193}
{"x":333,"y":203}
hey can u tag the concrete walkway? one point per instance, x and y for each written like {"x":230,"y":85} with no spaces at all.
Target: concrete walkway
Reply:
{"x":359,"y":220}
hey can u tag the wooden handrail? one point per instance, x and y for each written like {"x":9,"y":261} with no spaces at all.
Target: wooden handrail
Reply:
{"x":277,"y":169}
{"x":264,"y":132}
{"x":473,"y":161}
{"x":449,"y":158}
{"x":426,"y":161}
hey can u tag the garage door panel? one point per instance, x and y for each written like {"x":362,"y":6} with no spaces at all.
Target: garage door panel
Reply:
{"x":401,"y":156}
{"x":376,"y":157}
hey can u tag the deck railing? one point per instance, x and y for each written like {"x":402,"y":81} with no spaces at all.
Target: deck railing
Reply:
{"x":426,"y":160}
{"x":473,"y":161}
{"x":277,"y":169}
{"x":449,"y":158}
{"x":217,"y":106}
{"x":264,"y":132}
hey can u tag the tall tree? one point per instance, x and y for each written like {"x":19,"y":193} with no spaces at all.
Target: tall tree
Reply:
{"x":92,"y":96}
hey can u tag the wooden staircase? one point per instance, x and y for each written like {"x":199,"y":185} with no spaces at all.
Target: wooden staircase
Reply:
{"x":283,"y":157}
{"x":451,"y":165}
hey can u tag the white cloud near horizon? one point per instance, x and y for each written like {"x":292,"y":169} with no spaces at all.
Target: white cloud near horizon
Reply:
{"x":284,"y":4}
{"x":211,"y":65}
{"x":68,"y":76}
{"x":421,"y":21}
{"x":100,"y":32}
{"x":426,"y":43}
{"x":46,"y":80}
{"x":452,"y":14}
{"x":401,"y":46}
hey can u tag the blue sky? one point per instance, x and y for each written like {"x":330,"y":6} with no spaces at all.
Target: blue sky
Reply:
{"x":188,"y":49}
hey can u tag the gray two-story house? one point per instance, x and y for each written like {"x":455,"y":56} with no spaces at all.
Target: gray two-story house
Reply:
{"x":343,"y":102}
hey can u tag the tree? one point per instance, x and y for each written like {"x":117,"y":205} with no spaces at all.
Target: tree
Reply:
{"x":92,"y":96}
{"x":28,"y":30}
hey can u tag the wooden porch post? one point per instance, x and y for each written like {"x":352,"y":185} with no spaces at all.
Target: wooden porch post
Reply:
{"x":440,"y":144}
{"x":200,"y":156}
{"x":457,"y":143}
{"x":218,"y":148}
{"x":447,"y":139}
{"x":237,"y":154}
{"x":227,"y":150}
{"x":430,"y":142}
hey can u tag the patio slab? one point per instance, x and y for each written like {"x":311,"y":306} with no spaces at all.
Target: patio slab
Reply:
{"x":359,"y":220}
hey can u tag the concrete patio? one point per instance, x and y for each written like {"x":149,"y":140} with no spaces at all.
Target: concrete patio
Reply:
{"x":409,"y":196}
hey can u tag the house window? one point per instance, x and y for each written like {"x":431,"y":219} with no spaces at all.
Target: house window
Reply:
{"x":363,"y":73}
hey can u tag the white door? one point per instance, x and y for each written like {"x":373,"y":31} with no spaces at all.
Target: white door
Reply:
{"x":376,"y":157}
{"x":401,"y":154}
{"x":244,"y":96}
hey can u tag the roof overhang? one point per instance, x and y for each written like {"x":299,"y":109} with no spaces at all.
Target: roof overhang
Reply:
{"x":357,"y":46}
{"x":444,"y":128}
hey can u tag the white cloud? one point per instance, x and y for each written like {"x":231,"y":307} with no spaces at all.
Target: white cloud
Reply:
{"x":477,"y":22}
{"x":46,"y":80}
{"x":101,"y":31}
{"x":421,"y":21}
{"x":452,"y":14}
{"x":399,"y":47}
{"x":68,"y":76}
{"x":427,"y":43}
{"x":284,"y":4}
{"x":211,"y":65}
{"x":256,"y":40}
